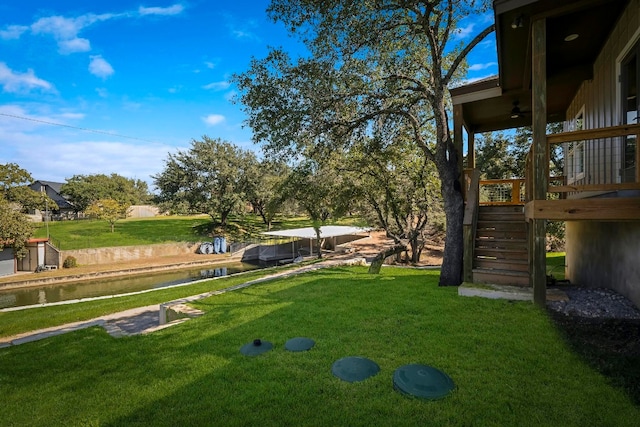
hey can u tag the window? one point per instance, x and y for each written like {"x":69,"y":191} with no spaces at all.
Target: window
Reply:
{"x":575,"y":151}
{"x":630,"y":79}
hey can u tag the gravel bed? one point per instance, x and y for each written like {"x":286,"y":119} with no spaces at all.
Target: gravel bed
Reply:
{"x":595,"y":303}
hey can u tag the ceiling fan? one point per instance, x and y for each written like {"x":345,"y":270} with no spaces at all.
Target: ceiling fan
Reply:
{"x":515,"y":111}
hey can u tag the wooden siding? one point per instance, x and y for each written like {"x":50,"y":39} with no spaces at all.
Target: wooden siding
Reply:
{"x":600,"y":97}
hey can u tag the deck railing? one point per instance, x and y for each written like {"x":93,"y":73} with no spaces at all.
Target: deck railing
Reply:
{"x":604,"y":159}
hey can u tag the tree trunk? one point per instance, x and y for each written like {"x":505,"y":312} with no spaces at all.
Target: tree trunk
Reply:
{"x":318,"y":241}
{"x":376,"y":263}
{"x":223,"y":218}
{"x":446,"y":159}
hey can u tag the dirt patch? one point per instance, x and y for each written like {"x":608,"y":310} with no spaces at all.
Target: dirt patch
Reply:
{"x":378,"y":241}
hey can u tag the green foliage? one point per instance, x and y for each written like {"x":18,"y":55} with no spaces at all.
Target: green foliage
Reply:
{"x":510,"y":365}
{"x":263,"y":188}
{"x":70,"y":262}
{"x":400,"y":190}
{"x":17,"y":197}
{"x":376,"y":65}
{"x":210,"y":178}
{"x":107,"y":210}
{"x":83,"y":190}
{"x":15,"y":228}
{"x":14,"y":187}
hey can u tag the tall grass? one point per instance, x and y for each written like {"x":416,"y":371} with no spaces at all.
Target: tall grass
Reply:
{"x":510,"y":366}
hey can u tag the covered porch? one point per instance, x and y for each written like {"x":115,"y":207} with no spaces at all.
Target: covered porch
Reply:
{"x":546,"y":53}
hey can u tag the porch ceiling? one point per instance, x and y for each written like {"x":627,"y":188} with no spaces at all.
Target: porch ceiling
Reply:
{"x":569,"y":63}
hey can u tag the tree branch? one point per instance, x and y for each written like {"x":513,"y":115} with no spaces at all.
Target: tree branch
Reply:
{"x":477,"y":39}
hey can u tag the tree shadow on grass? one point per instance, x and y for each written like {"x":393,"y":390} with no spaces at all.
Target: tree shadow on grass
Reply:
{"x":611,"y":346}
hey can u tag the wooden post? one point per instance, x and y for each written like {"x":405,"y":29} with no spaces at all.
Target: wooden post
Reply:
{"x":540,"y":162}
{"x":471,"y":150}
{"x":638,"y":157}
{"x":457,"y":137}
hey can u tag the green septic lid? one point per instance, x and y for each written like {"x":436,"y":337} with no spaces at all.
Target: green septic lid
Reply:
{"x":422,"y":381}
{"x":256,"y":347}
{"x":299,"y":344}
{"x":354,"y":369}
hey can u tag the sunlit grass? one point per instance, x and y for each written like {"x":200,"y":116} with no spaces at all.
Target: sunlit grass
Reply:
{"x":509,"y":364}
{"x":81,"y":234}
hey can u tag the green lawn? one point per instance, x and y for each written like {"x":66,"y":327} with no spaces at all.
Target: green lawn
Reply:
{"x":510,"y":365}
{"x":69,"y":235}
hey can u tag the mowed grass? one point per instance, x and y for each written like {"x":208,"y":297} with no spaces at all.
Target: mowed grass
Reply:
{"x":509,"y":364}
{"x":82,"y":234}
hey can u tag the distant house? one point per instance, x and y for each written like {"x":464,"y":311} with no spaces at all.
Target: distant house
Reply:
{"x":63,"y":208}
{"x":7,"y":261}
{"x":577,"y":62}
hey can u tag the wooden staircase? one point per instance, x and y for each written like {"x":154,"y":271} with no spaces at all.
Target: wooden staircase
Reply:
{"x":500,"y":254}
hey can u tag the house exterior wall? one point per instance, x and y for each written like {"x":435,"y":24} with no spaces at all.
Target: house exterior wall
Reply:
{"x":7,"y":262}
{"x":605,"y":254}
{"x":601,"y":100}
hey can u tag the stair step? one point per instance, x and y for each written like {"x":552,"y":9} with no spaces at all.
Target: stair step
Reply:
{"x":501,"y":234}
{"x":500,"y":277}
{"x":519,"y":253}
{"x":502,"y":225}
{"x":501,"y":264}
{"x":498,"y":216}
{"x":501,"y":209}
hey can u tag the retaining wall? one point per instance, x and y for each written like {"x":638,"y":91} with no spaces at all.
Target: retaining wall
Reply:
{"x":128,"y":253}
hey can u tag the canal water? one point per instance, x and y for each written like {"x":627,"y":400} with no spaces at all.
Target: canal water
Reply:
{"x":115,"y":285}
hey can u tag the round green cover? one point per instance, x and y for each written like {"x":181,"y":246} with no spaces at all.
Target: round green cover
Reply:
{"x":256,"y":347}
{"x":299,"y":344}
{"x":422,"y":381}
{"x":354,"y":369}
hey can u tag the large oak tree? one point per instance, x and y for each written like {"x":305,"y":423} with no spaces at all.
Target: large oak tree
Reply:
{"x":388,"y":62}
{"x":210,"y":178}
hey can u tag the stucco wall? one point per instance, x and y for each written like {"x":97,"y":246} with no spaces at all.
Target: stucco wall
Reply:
{"x":128,"y":253}
{"x":605,"y":255}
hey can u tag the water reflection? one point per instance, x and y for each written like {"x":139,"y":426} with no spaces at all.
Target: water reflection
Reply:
{"x":114,"y":286}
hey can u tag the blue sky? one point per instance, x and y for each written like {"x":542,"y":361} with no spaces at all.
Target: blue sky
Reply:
{"x":130,"y":82}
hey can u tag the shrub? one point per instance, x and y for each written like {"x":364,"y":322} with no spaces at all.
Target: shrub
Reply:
{"x":70,"y":262}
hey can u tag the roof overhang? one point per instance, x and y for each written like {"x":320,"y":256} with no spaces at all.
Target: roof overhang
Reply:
{"x":325,"y":231}
{"x":569,"y":63}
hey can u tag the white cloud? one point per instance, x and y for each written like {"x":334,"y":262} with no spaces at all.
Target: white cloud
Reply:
{"x":478,"y":67}
{"x":22,"y":82}
{"x":75,"y":45}
{"x":100,"y":67}
{"x":217,"y":85}
{"x":102,"y":92}
{"x":464,"y":32}
{"x":176,"y":9}
{"x":55,"y":153}
{"x":241,"y":31}
{"x":210,"y":65}
{"x":213,"y":119}
{"x":65,"y":30}
{"x":475,"y":79}
{"x":13,"y":32}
